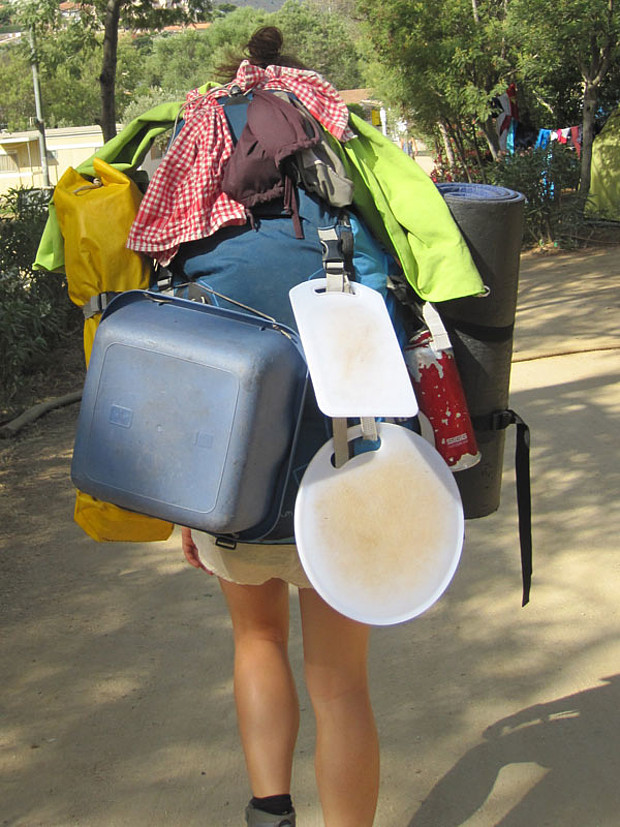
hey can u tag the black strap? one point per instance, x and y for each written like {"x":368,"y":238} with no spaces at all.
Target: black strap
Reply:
{"x":347,"y":244}
{"x":337,"y":247}
{"x":498,"y":421}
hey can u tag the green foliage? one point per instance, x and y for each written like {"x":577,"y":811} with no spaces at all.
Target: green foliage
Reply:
{"x":16,"y":90}
{"x":185,"y":60}
{"x":322,"y":41}
{"x":68,"y":69}
{"x":182,"y":61}
{"x":560,"y":45}
{"x":151,"y":65}
{"x":147,"y":99}
{"x":34,"y":310}
{"x":445,"y":57}
{"x":101,"y":21}
{"x":549,"y":179}
{"x":70,"y":92}
{"x":444,"y":61}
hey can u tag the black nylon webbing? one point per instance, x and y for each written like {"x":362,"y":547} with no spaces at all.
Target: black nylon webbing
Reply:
{"x":499,"y":420}
{"x":483,"y":333}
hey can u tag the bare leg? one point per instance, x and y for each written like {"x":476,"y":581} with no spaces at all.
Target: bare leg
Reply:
{"x":265,"y":693}
{"x":347,"y":750}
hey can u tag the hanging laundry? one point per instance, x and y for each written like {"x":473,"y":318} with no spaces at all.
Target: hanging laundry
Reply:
{"x":511,"y":93}
{"x":575,"y":136}
{"x":510,"y":137}
{"x":504,"y":119}
{"x":514,"y":135}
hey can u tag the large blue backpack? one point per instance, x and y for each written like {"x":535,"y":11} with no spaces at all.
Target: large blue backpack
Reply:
{"x":256,"y":266}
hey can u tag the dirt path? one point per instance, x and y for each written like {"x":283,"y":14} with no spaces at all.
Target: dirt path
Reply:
{"x":116,"y":659}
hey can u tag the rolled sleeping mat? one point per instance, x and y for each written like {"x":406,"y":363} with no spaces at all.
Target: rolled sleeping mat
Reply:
{"x":483,"y":358}
{"x":481,"y":328}
{"x":491,"y":221}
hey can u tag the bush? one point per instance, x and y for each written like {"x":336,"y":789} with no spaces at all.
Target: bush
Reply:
{"x":549,"y":179}
{"x":468,"y":172}
{"x":35,"y":313}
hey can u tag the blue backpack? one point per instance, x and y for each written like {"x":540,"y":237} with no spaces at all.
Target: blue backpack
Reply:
{"x":256,"y":266}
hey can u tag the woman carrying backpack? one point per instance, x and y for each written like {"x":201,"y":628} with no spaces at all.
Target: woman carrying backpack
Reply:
{"x":255,"y":583}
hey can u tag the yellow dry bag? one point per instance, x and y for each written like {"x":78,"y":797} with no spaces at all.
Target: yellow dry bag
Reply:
{"x":94,"y":218}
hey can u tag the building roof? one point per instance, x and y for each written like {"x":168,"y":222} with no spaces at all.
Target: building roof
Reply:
{"x":356,"y":95}
{"x":181,"y":27}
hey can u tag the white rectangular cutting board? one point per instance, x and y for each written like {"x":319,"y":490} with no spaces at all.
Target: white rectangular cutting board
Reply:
{"x":354,"y":359}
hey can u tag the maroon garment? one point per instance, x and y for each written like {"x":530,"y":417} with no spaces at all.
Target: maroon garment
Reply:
{"x":257,"y":170}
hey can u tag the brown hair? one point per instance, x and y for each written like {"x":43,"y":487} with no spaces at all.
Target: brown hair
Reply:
{"x":263,"y":49}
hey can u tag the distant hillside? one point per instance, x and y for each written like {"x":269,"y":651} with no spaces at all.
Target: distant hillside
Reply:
{"x":265,"y":5}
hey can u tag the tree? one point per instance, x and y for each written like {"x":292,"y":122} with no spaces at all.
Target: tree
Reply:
{"x":322,"y":40}
{"x":16,"y":95}
{"x":446,"y":60}
{"x":152,"y":66}
{"x":134,"y":15}
{"x":107,"y":17}
{"x":583,"y":34}
{"x":70,"y":64}
{"x":184,"y":60}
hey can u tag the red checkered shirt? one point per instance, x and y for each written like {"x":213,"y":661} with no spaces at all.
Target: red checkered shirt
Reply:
{"x":184,"y":200}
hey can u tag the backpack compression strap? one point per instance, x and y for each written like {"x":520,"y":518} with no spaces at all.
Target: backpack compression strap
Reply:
{"x":337,"y":251}
{"x":498,"y":421}
{"x":97,"y":304}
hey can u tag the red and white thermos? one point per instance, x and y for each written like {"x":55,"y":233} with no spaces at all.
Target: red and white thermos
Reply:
{"x":430,"y":361}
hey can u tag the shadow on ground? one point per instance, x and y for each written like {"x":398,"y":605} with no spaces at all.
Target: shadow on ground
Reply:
{"x":566,"y":739}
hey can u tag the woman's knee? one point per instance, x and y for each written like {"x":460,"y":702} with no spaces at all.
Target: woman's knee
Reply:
{"x":335,"y":653}
{"x":336,"y":687}
{"x":259,"y":614}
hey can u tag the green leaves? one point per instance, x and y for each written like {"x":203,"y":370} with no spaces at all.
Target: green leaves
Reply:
{"x":449,"y":49}
{"x":35,"y":311}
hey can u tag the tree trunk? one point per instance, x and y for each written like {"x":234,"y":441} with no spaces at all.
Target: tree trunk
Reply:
{"x":107,"y":79}
{"x":593,"y":76}
{"x":490,"y":133}
{"x":474,"y":140}
{"x":590,"y":102}
{"x":456,"y":136}
{"x":446,"y":143}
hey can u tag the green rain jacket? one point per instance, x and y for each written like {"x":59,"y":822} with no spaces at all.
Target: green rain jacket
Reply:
{"x":399,"y":202}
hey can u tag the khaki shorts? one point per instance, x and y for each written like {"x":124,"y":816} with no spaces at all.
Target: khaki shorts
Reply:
{"x":252,"y":564}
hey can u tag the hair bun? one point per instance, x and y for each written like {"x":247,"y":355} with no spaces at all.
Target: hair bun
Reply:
{"x":265,"y":45}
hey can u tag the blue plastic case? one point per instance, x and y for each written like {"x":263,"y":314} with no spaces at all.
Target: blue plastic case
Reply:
{"x":190,"y":413}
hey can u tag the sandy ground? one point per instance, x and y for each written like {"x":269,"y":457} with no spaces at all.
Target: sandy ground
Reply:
{"x":116,"y":659}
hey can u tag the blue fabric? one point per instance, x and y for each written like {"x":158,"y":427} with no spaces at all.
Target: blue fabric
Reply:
{"x":478,"y":192}
{"x":510,"y":138}
{"x":259,"y":266}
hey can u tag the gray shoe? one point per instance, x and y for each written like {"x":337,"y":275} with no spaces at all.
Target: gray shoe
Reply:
{"x":258,"y":818}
